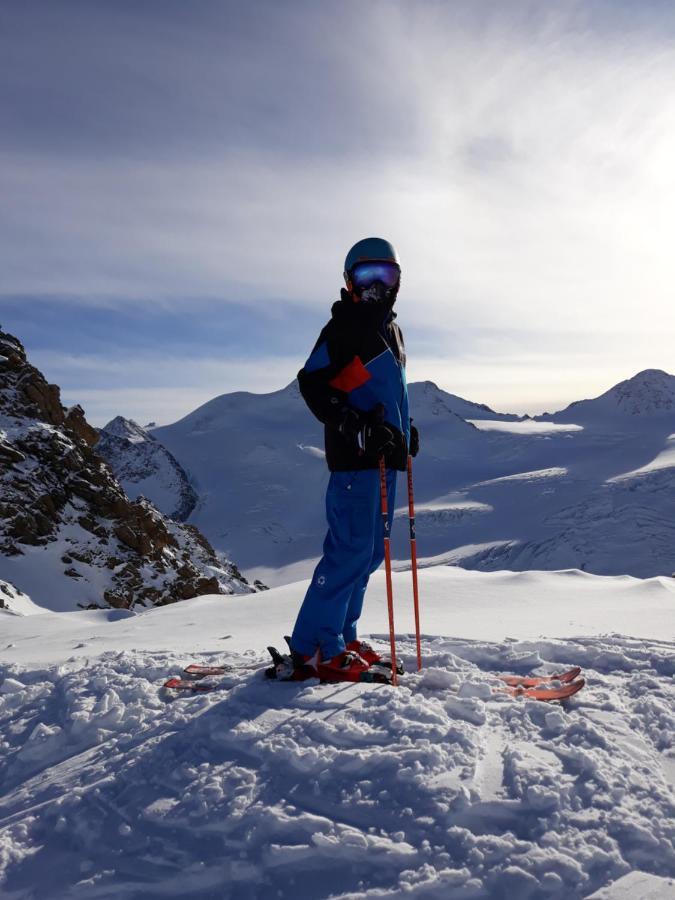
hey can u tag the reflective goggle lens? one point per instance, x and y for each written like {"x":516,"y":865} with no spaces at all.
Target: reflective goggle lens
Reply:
{"x":367,"y":273}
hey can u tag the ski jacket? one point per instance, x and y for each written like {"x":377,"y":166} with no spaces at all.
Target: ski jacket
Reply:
{"x":358,"y":361}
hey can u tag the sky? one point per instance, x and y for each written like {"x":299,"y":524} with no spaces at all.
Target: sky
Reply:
{"x":180,"y":183}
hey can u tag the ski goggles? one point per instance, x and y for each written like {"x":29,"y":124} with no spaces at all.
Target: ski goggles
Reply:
{"x":364,"y":274}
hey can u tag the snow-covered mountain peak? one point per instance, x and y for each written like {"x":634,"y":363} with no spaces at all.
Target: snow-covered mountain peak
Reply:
{"x":127,"y":429}
{"x":144,"y":467}
{"x":650,"y":393}
{"x":427,"y":396}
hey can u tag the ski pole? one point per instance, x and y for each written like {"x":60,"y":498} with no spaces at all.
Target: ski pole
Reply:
{"x":387,"y":567}
{"x":413,"y":560}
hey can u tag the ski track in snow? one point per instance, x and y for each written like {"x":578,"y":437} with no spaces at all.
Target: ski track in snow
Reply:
{"x":109,"y":787}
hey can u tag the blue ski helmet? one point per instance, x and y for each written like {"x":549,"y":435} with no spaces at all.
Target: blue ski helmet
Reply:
{"x":369,"y":250}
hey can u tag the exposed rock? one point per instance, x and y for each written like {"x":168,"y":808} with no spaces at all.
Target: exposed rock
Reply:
{"x":56,"y":489}
{"x":76,"y":422}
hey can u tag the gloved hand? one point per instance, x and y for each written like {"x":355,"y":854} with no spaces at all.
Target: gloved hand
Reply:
{"x":414,"y":445}
{"x":352,"y":422}
{"x":378,"y":438}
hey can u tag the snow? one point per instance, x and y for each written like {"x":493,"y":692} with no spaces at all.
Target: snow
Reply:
{"x":537,"y":475}
{"x":442,"y":787}
{"x":15,"y":602}
{"x":546,"y":493}
{"x":648,"y":394}
{"x":528,"y":426}
{"x":637,"y":885}
{"x":664,"y":460}
{"x":452,"y":503}
{"x":316,"y":452}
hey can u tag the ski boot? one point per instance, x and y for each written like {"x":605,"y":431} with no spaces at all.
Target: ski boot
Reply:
{"x":371,"y":656}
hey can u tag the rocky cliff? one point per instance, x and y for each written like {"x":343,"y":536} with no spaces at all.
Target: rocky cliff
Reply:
{"x":69,"y":535}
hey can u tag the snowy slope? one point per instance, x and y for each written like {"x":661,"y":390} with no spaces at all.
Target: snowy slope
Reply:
{"x":144,"y":467}
{"x":14,"y":601}
{"x":253,"y":460}
{"x":440,"y":788}
{"x":491,"y":493}
{"x":256,"y":462}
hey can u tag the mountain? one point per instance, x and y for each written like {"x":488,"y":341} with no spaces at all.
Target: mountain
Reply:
{"x":649,"y":394}
{"x":69,"y":535}
{"x":492,"y":493}
{"x":144,"y":467}
{"x":256,"y":462}
{"x":253,"y":459}
{"x":422,"y":392}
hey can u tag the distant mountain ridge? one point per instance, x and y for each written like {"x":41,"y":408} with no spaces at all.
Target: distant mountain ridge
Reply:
{"x":466,"y":409}
{"x":515,"y":498}
{"x":649,"y":393}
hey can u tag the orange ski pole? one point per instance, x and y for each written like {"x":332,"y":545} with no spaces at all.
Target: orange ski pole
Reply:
{"x":413,"y":560}
{"x":387,"y":567}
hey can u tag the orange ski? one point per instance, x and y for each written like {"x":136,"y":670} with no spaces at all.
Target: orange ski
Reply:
{"x":534,"y":680}
{"x":546,"y":693}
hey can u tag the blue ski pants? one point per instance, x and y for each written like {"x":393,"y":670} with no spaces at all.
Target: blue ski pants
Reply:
{"x":352,"y":550}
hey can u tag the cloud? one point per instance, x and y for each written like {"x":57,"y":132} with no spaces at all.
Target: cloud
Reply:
{"x":519,"y":155}
{"x":158,"y":386}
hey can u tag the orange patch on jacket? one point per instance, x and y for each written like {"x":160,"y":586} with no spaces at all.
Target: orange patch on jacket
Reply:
{"x":351,"y":377}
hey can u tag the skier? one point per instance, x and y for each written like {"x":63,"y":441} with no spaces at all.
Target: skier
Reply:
{"x":354,"y":383}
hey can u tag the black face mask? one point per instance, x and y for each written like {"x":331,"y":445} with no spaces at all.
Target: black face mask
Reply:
{"x":364,"y":315}
{"x":377,"y":293}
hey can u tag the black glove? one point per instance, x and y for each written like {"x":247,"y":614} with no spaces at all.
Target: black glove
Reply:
{"x":378,"y":438}
{"x":414,"y":445}
{"x":351,"y":423}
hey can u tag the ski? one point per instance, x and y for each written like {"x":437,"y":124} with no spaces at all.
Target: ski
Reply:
{"x":198,"y":671}
{"x":284,"y":669}
{"x":556,"y":686}
{"x":545,"y":693}
{"x":185,"y":684}
{"x":203,"y":671}
{"x":533,"y":680}
{"x":375,"y":676}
